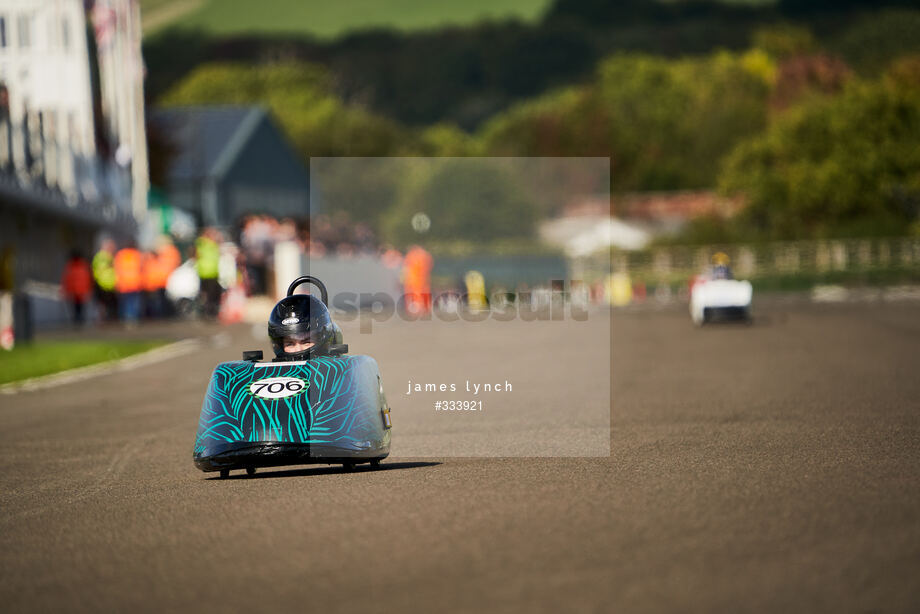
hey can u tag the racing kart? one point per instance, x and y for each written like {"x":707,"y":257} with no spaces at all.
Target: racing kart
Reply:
{"x":714,"y":300}
{"x":328,"y":409}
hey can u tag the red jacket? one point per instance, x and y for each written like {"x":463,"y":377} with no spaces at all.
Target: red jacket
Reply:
{"x":77,"y":280}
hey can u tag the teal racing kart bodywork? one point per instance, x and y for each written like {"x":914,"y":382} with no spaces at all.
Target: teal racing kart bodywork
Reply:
{"x":327,"y":409}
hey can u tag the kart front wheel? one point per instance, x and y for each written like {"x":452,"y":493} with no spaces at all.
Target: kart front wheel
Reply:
{"x":224,"y":474}
{"x":250,"y":471}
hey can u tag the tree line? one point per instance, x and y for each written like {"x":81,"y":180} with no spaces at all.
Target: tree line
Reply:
{"x":813,"y":130}
{"x":464,"y":75}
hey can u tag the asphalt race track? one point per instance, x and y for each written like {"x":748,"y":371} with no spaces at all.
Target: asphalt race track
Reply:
{"x":772,"y":467}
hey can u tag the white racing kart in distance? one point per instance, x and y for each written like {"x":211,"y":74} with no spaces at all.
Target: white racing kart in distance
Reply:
{"x":720,"y":299}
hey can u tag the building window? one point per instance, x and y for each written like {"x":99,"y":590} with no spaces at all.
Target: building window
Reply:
{"x":2,"y":32}
{"x":25,"y":30}
{"x":65,"y":34}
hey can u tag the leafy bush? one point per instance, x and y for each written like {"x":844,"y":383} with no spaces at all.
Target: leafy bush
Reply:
{"x":846,"y":165}
{"x":300,"y":95}
{"x":665,"y":124}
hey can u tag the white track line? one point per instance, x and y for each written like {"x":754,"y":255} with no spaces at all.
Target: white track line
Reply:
{"x":149,"y":357}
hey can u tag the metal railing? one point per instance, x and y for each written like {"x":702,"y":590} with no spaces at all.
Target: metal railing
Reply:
{"x":50,"y":170}
{"x":830,"y":258}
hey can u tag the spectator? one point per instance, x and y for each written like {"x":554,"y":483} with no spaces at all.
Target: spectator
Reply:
{"x":128,"y":283}
{"x":207,"y":263}
{"x":168,"y":254}
{"x":390,"y":257}
{"x":77,"y":285}
{"x":7,"y":286}
{"x":169,"y":259}
{"x":104,"y":278}
{"x":153,"y":280}
{"x":256,"y":241}
{"x":417,"y":279}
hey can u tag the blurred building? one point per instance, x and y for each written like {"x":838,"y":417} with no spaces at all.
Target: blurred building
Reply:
{"x":591,"y":224}
{"x":586,"y":227}
{"x":663,"y":213}
{"x":229,"y":162}
{"x":73,"y":160}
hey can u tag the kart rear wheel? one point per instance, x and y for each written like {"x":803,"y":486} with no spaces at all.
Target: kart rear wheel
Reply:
{"x":224,"y":474}
{"x":250,"y":471}
{"x":348,"y":466}
{"x":375,"y":463}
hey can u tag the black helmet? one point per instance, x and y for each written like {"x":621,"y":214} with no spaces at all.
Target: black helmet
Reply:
{"x":305,"y":317}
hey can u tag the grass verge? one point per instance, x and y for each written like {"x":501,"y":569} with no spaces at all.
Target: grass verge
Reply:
{"x":329,"y":19}
{"x":44,"y":358}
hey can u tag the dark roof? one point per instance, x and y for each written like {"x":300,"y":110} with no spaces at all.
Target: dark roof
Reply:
{"x":206,"y":138}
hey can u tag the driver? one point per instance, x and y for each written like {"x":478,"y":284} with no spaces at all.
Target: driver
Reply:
{"x":720,"y":268}
{"x":300,"y":328}
{"x":296,"y":343}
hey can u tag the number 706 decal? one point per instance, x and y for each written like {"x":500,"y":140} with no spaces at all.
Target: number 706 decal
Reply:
{"x":278,"y":387}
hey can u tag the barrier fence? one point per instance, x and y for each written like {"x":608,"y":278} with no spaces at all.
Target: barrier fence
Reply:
{"x":660,"y":273}
{"x":871,"y":260}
